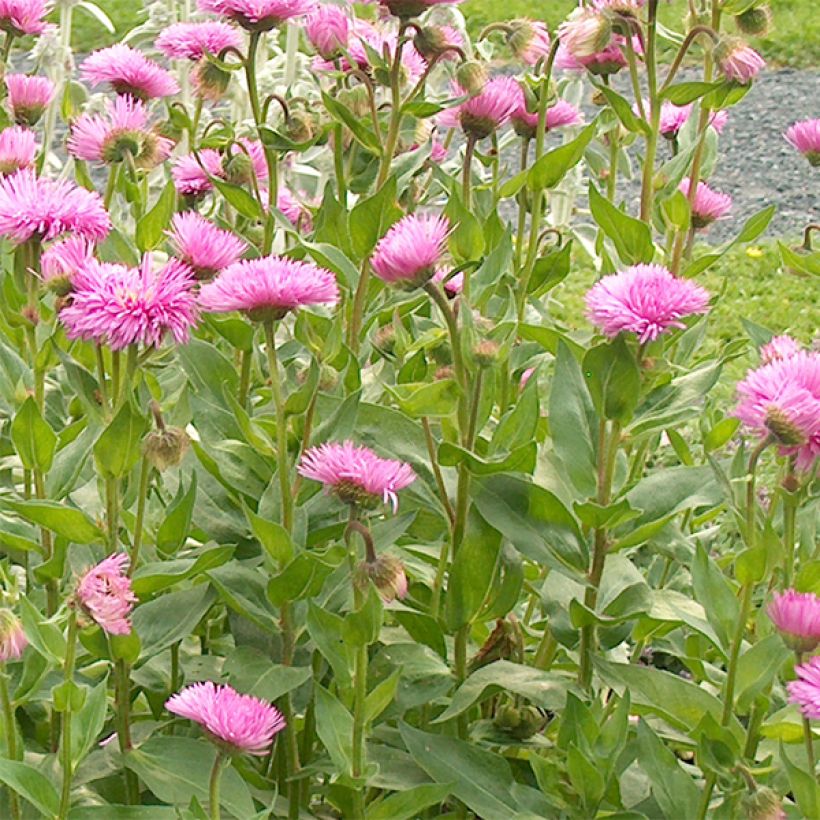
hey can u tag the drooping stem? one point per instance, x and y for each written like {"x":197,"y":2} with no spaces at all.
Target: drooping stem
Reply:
{"x":213,"y":786}
{"x":142,"y":497}
{"x":65,"y":742}
{"x":10,"y":730}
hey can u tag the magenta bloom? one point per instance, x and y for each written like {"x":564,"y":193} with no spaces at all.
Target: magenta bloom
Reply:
{"x":18,"y":149}
{"x":128,"y":71}
{"x":61,"y":261}
{"x":28,"y":97}
{"x":119,"y":306}
{"x":328,"y":30}
{"x":242,"y":723}
{"x":13,"y":639}
{"x":258,"y":15}
{"x":529,"y":40}
{"x":805,"y":137}
{"x":20,"y":17}
{"x":559,"y":115}
{"x":488,"y":110}
{"x":356,"y":474}
{"x":737,"y":61}
{"x":105,"y":594}
{"x":410,"y":250}
{"x":645,"y":299}
{"x":805,"y":691}
{"x":192,"y":41}
{"x":123,"y":129}
{"x":191,"y":178}
{"x":780,"y":347}
{"x":452,"y":286}
{"x":294,"y":211}
{"x":718,"y":120}
{"x":33,"y":207}
{"x":205,"y":248}
{"x":438,"y":152}
{"x":269,"y":287}
{"x":797,"y":617}
{"x":709,"y":204}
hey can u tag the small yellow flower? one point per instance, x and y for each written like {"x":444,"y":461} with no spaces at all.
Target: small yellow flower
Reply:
{"x":754,"y":252}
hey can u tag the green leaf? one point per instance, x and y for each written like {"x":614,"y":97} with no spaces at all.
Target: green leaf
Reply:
{"x":242,"y":588}
{"x":613,"y":379}
{"x":362,"y":626}
{"x":720,"y":434}
{"x":623,"y":110}
{"x":553,"y":166}
{"x":381,"y":696}
{"x":713,"y":592}
{"x":88,"y":722}
{"x":677,"y":211}
{"x":803,"y":785}
{"x":174,"y":529}
{"x":361,"y":133}
{"x":672,"y":787}
{"x":522,"y":459}
{"x":250,"y":672}
{"x":757,"y":668}
{"x":118,"y":448}
{"x":407,"y":805}
{"x":371,"y":218}
{"x":430,"y":399}
{"x":31,"y":785}
{"x":632,"y":237}
{"x":334,"y":725}
{"x":158,"y":575}
{"x":273,"y":537}
{"x":240,"y":199}
{"x":325,"y":629}
{"x":466,"y":240}
{"x":586,"y":778}
{"x":550,"y":270}
{"x":755,"y":225}
{"x":68,"y":522}
{"x":685,"y":93}
{"x":150,"y":228}
{"x":32,"y":437}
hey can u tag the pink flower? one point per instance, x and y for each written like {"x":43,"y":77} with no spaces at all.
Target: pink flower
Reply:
{"x":737,"y":61}
{"x":39,"y":208}
{"x":529,"y":40}
{"x":709,"y":204}
{"x":61,"y":261}
{"x":328,"y":30}
{"x":673,"y":117}
{"x":356,"y":474}
{"x":525,"y":377}
{"x":13,"y":639}
{"x":797,"y":617}
{"x":119,"y":306}
{"x":294,"y":211}
{"x":718,"y":120}
{"x":452,"y":286}
{"x":781,"y":400}
{"x":258,"y":15}
{"x":28,"y":97}
{"x":123,"y":129}
{"x":268,"y":287}
{"x":805,"y":691}
{"x":438,"y":153}
{"x":191,"y":178}
{"x":243,"y":723}
{"x":585,"y":32}
{"x":779,"y":347}
{"x":410,"y":250}
{"x":192,"y":41}
{"x":644,"y":299}
{"x":128,"y":71}
{"x":18,"y":149}
{"x":205,"y":248}
{"x":20,"y":17}
{"x":805,"y":137}
{"x":105,"y":594}
{"x":560,"y":114}
{"x":488,"y":110}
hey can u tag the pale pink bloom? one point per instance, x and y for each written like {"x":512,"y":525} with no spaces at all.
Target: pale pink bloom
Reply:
{"x":13,"y":639}
{"x":191,"y":178}
{"x":20,"y":17}
{"x":738,"y":61}
{"x":673,"y":117}
{"x":609,"y":60}
{"x":525,"y":377}
{"x":33,"y":207}
{"x":356,"y":474}
{"x":128,"y":71}
{"x":61,"y":261}
{"x":105,"y":594}
{"x":709,"y":204}
{"x":258,"y":15}
{"x":779,"y":347}
{"x":294,"y":211}
{"x":797,"y":617}
{"x":410,"y":250}
{"x":18,"y":149}
{"x":529,"y":40}
{"x":242,"y":722}
{"x":452,"y":286}
{"x":192,"y":41}
{"x":268,"y":287}
{"x":718,"y":120}
{"x":488,"y":110}
{"x":805,"y":691}
{"x":805,"y":137}
{"x":646,"y":300}
{"x":28,"y":97}
{"x":204,"y":247}
{"x":438,"y":153}
{"x":560,"y":114}
{"x":585,"y":32}
{"x":120,"y":306}
{"x":328,"y":30}
{"x":123,"y":129}
{"x":781,"y":399}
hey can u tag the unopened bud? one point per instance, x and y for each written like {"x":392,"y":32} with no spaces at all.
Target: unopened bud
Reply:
{"x":355,"y":99}
{"x":387,"y":574}
{"x":755,"y":22}
{"x":31,"y":314}
{"x":210,"y":80}
{"x":238,"y":168}
{"x":486,"y":353}
{"x":12,"y":637}
{"x":384,"y":339}
{"x":472,"y":76}
{"x":783,"y":428}
{"x":300,"y":127}
{"x":431,"y":42}
{"x":763,"y":804}
{"x":445,"y":372}
{"x":165,"y":448}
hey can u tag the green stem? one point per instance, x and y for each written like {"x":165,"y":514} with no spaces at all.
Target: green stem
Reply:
{"x":10,"y":728}
{"x":522,"y":206}
{"x":612,"y":179}
{"x":467,"y":176}
{"x":395,"y":110}
{"x":751,"y":501}
{"x":122,"y":686}
{"x":357,"y":312}
{"x":245,"y":377}
{"x":213,"y":786}
{"x":789,"y":536}
{"x":142,"y":497}
{"x":647,"y":186}
{"x":734,"y":652}
{"x":434,"y":465}
{"x":65,"y":742}
{"x":112,"y":513}
{"x":359,"y":700}
{"x":339,"y":164}
{"x":103,"y":387}
{"x":111,"y":185}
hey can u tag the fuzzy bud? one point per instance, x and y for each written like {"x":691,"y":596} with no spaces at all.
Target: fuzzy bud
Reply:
{"x":165,"y":448}
{"x":445,"y":372}
{"x":355,"y":100}
{"x":754,"y":22}
{"x":300,"y":127}
{"x":783,"y":430}
{"x":472,"y":76}
{"x":210,"y":80}
{"x":431,"y":42}
{"x":384,"y":339}
{"x":486,"y":353}
{"x":238,"y":168}
{"x":763,"y":804}
{"x":387,"y":574}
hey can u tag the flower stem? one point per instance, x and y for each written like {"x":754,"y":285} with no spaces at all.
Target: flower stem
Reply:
{"x":213,"y":786}
{"x":647,"y":185}
{"x":789,"y":531}
{"x":65,"y":742}
{"x":142,"y":497}
{"x":10,"y":729}
{"x":808,"y":735}
{"x":467,"y":176}
{"x":244,"y":377}
{"x":122,"y":687}
{"x":395,"y":110}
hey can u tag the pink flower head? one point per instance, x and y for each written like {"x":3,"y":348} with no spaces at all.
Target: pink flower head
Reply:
{"x":294,"y":211}
{"x":258,"y":15}
{"x":781,"y":400}
{"x":644,"y":299}
{"x":356,"y":474}
{"x":779,"y":347}
{"x":529,"y":40}
{"x":438,"y":152}
{"x":805,"y":137}
{"x":797,"y":617}
{"x":119,"y":306}
{"x":328,"y":29}
{"x":192,"y":41}
{"x":33,"y":207}
{"x":269,"y":287}
{"x":18,"y":149}
{"x":105,"y":594}
{"x":237,"y":723}
{"x":485,"y":112}
{"x":738,"y":61}
{"x":709,"y":204}
{"x":128,"y":71}
{"x":673,"y":118}
{"x":805,"y":691}
{"x":13,"y":639}
{"x":452,"y":286}
{"x":62,"y":260}
{"x":205,"y":248}
{"x":525,"y":377}
{"x":123,"y":129}
{"x":28,"y":97}
{"x":560,"y":114}
{"x":718,"y":120}
{"x":410,"y":250}
{"x":191,"y":178}
{"x":20,"y":17}
{"x":587,"y":31}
